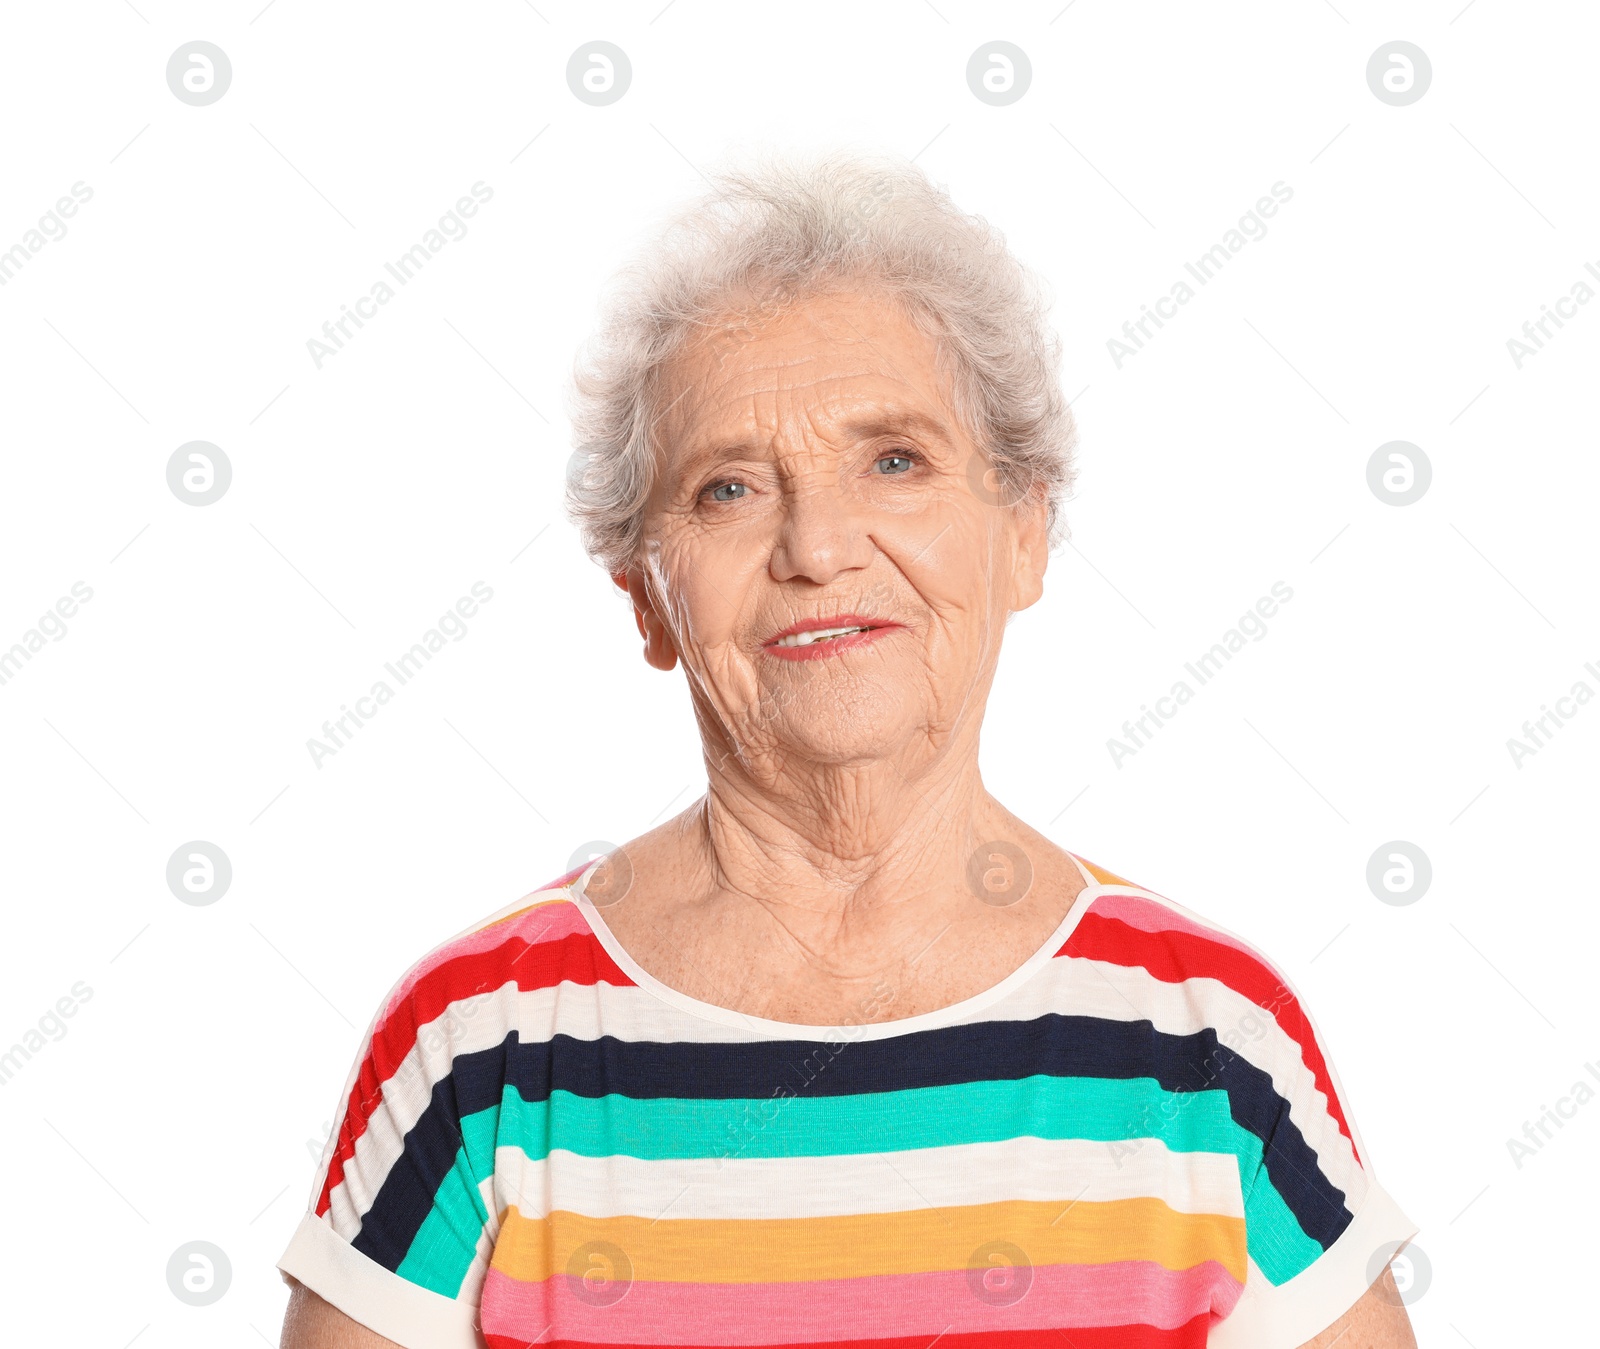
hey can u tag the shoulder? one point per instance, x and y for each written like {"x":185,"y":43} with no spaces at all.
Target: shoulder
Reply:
{"x":1218,"y":1015}
{"x":1203,"y":983}
{"x":527,"y":943}
{"x":1127,"y":925}
{"x":437,"y":1045}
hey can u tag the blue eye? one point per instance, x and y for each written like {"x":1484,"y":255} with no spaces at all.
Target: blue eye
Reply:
{"x":905,"y":457}
{"x":725,"y":487}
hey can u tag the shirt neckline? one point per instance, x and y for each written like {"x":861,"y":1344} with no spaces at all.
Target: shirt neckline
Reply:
{"x":794,"y":1030}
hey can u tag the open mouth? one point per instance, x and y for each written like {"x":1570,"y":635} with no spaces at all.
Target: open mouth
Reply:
{"x":819,"y":635}
{"x":812,"y":639}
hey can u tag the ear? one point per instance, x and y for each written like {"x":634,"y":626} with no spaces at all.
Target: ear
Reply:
{"x":1032,"y":549}
{"x":659,"y":650}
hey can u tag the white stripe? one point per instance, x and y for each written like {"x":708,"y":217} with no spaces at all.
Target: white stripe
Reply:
{"x":1064,"y":1171}
{"x":1066,"y":985}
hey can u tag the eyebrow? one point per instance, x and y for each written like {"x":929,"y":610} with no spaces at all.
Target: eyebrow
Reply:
{"x":906,"y":421}
{"x":900,"y":422}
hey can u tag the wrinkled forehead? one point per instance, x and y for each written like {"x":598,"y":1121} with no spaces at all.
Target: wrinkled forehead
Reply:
{"x":836,"y":364}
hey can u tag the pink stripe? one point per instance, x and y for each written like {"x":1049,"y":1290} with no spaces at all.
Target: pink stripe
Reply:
{"x":1148,"y":916}
{"x":554,"y":918}
{"x":1128,"y":1292}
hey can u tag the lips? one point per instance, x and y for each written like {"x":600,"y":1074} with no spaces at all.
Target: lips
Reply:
{"x":812,"y":638}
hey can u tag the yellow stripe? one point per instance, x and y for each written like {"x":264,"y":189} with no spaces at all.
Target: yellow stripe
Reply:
{"x":1103,"y":876}
{"x":789,"y":1250}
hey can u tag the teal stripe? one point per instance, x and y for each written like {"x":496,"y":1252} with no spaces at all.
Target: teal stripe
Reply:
{"x":442,"y":1251}
{"x":1043,"y":1106}
{"x":1273,"y":1235}
{"x":1114,"y":1111}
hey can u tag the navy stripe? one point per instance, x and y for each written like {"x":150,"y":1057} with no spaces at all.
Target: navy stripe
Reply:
{"x":1055,"y":1045}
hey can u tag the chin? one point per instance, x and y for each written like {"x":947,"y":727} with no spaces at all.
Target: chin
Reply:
{"x":835,"y":736}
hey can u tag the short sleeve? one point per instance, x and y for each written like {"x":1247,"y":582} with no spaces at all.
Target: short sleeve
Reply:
{"x":400,"y":1224}
{"x":1319,"y":1228}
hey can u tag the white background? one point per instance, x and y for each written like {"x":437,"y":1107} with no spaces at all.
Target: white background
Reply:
{"x":370,"y":494}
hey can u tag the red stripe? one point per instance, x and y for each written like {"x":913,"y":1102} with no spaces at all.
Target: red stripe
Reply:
{"x":1174,"y":957}
{"x":1191,"y":1335}
{"x":578,"y":958}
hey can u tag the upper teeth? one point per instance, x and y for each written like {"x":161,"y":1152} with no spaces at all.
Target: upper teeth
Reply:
{"x":816,"y":635}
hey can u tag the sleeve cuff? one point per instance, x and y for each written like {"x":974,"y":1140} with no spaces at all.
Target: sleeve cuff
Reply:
{"x":412,"y":1316}
{"x":1287,"y":1316}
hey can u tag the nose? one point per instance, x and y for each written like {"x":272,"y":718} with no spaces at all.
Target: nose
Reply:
{"x":823,"y":531}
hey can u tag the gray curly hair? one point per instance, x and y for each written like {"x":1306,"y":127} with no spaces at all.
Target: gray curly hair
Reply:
{"x":762,"y":238}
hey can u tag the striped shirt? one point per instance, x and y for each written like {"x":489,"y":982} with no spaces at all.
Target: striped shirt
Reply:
{"x":1136,"y":1137}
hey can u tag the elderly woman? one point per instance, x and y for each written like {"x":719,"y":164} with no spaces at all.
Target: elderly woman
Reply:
{"x":846,"y":1053}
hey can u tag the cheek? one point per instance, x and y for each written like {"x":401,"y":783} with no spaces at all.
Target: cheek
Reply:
{"x":704,"y":577}
{"x":950,"y":555}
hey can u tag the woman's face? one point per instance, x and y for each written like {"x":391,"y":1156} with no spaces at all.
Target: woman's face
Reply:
{"x":815,"y":469}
